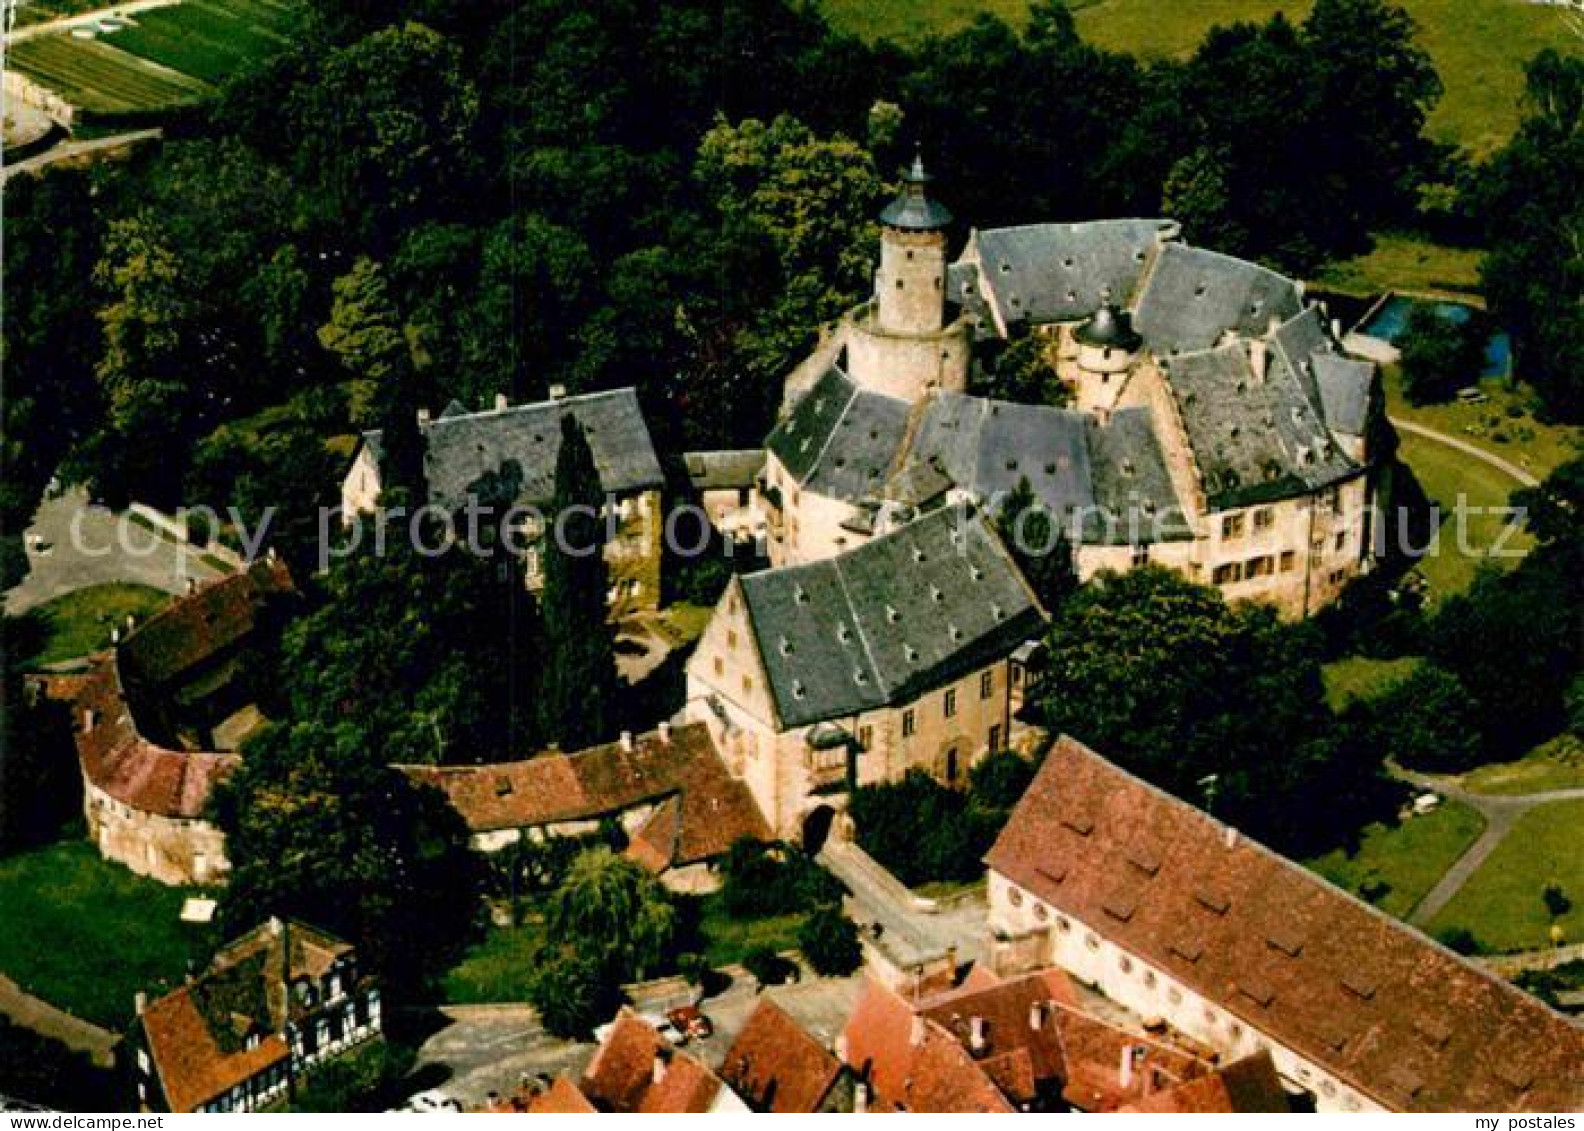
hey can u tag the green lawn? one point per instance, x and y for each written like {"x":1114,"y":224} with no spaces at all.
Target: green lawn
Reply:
{"x":1502,"y":905}
{"x":1479,"y":46}
{"x":1503,"y":425}
{"x":1359,"y":677}
{"x":1407,"y":858}
{"x":1452,"y":481}
{"x":86,"y":935}
{"x":727,"y":939}
{"x":208,"y":39}
{"x":78,"y":623}
{"x":1407,"y":263}
{"x":102,"y":79}
{"x":1558,"y":764}
{"x":683,"y":623}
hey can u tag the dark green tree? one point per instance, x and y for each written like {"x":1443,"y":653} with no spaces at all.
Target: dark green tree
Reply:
{"x":611,"y":911}
{"x":578,"y":687}
{"x":1439,"y":355}
{"x":572,"y":992}
{"x":829,"y":941}
{"x":1036,"y":541}
{"x":1426,"y":722}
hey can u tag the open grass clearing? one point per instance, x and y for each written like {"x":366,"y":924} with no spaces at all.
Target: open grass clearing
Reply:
{"x":1394,"y":866}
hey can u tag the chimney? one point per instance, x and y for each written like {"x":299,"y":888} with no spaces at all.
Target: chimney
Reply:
{"x":976,"y":1034}
{"x":1230,"y":837}
{"x":665,"y":732}
{"x":1125,"y":1069}
{"x":841,"y":1047}
{"x":659,"y":1065}
{"x":501,"y":403}
{"x":916,"y":1032}
{"x":423,"y":418}
{"x":139,"y":1002}
{"x":1259,"y":359}
{"x":192,"y":586}
{"x":88,"y":719}
{"x":1036,"y":1015}
{"x":860,"y":1098}
{"x":1336,"y":328}
{"x":626,"y":740}
{"x":558,"y":392}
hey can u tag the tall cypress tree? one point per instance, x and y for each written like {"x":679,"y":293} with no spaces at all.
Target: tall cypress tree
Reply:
{"x":578,"y":689}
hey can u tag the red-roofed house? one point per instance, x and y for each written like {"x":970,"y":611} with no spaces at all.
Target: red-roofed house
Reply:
{"x":778,"y":1066}
{"x":271,"y":1006}
{"x":1180,"y":918}
{"x":636,"y":1070}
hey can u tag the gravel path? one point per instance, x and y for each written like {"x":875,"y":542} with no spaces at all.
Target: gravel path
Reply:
{"x":1506,"y":466}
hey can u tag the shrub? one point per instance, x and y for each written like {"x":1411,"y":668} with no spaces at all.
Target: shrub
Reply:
{"x":368,"y":1079}
{"x":998,"y":782}
{"x":1556,"y":900}
{"x":572,"y":994}
{"x":1439,"y":356}
{"x":767,"y":967}
{"x":1426,"y":722}
{"x":760,"y":879}
{"x":829,"y":940}
{"x":1460,"y":940}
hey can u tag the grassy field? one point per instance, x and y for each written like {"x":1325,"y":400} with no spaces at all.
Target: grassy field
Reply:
{"x":1502,"y":903}
{"x":1479,"y":46}
{"x":42,"y":11}
{"x":1407,"y":858}
{"x":86,"y":935}
{"x":78,"y":623}
{"x":1359,"y":677}
{"x":1407,"y":263}
{"x":1467,"y":537}
{"x":1503,"y":425}
{"x":1558,"y":764}
{"x":164,"y":58}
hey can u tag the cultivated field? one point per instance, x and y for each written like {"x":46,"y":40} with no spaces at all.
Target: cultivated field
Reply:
{"x":1480,"y":46}
{"x":164,"y":58}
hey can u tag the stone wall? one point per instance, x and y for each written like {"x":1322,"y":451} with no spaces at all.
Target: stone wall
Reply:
{"x":171,"y":850}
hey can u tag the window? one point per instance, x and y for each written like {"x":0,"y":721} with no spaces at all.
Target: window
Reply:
{"x":720,"y":666}
{"x":747,"y":683}
{"x":1141,"y":555}
{"x":865,"y":737}
{"x":909,"y":723}
{"x":1341,"y":541}
{"x":1227,"y":573}
{"x":731,"y":638}
{"x":950,"y":702}
{"x":1041,"y":912}
{"x":1232,"y":526}
{"x":1264,"y":518}
{"x":1014,"y":897}
{"x":986,"y":684}
{"x":1174,"y":995}
{"x":1063,"y":924}
{"x":1288,"y":561}
{"x":1091,"y":942}
{"x":995,"y":738}
{"x":1125,"y":964}
{"x":1259,"y":567}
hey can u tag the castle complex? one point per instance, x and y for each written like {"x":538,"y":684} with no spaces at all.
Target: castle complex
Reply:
{"x":1215,"y":425}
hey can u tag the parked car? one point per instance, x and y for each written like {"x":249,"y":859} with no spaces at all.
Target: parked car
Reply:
{"x":432,"y":1102}
{"x":691,"y":1023}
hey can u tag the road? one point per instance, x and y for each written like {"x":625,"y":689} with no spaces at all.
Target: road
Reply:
{"x":1500,"y":813}
{"x":40,"y":1016}
{"x":66,"y":23}
{"x":1506,"y":466}
{"x":97,"y":554}
{"x":79,"y":151}
{"x":484,"y":1049}
{"x":910,"y":934}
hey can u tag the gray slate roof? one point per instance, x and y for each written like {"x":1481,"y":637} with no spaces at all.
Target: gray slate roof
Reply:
{"x":884,"y":622}
{"x":1346,"y":386}
{"x":724,"y":470}
{"x":1063,"y":272}
{"x":1254,"y":441}
{"x":1194,"y":296}
{"x":841,"y":440}
{"x":521,"y":444}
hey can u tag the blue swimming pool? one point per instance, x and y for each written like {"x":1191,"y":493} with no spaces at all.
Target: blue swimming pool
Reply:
{"x":1388,"y":322}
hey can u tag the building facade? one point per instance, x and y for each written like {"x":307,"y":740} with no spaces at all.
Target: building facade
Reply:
{"x":853,"y":670}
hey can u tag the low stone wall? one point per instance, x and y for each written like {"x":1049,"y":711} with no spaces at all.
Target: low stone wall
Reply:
{"x":1511,"y":965}
{"x":29,"y":93}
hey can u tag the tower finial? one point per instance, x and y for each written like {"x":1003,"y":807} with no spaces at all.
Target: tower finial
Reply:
{"x":913,"y":210}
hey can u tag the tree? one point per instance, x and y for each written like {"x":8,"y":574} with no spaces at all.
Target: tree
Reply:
{"x":40,"y":790}
{"x":1221,"y":705}
{"x":999,"y":780}
{"x":1534,"y":272}
{"x":1439,"y":355}
{"x":1426,"y":722}
{"x":1020,"y":370}
{"x":572,"y":993}
{"x":319,"y":827}
{"x":365,"y":332}
{"x":577,"y":693}
{"x":829,"y":940}
{"x":922,"y":831}
{"x":1033,"y":535}
{"x":759,"y":879}
{"x":613,"y":912}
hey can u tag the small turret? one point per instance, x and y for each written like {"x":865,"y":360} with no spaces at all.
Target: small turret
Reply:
{"x":911,"y":285}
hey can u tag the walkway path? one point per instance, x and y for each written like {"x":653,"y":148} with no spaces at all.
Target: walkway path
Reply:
{"x":43,"y":1018}
{"x":66,"y":23}
{"x":1500,"y":812}
{"x":913,"y":930}
{"x":1506,"y":466}
{"x":79,"y":151}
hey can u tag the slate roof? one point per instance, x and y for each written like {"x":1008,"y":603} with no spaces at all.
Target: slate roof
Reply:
{"x":197,"y":1034}
{"x":1346,"y":389}
{"x":1063,"y":272}
{"x":776,"y":1065}
{"x":1253,"y":440}
{"x":914,"y":210}
{"x":1357,"y":993}
{"x":724,"y":470}
{"x":701,"y":808}
{"x":521,"y":444}
{"x":1194,"y":296}
{"x":840,"y":440}
{"x":923,"y":605}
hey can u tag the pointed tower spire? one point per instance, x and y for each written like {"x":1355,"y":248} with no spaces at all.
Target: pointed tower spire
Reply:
{"x":913,"y":210}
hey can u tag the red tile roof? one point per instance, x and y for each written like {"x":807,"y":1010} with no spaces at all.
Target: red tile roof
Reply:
{"x":914,"y":1066}
{"x":1366,"y":998}
{"x":1247,"y":1085}
{"x":197,"y":626}
{"x":623,"y":1076}
{"x":701,"y":807}
{"x":192,"y":1067}
{"x":560,"y":1098}
{"x":776,"y":1065}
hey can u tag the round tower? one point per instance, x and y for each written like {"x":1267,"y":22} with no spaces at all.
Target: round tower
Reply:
{"x":900,"y":344}
{"x":910,"y":287}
